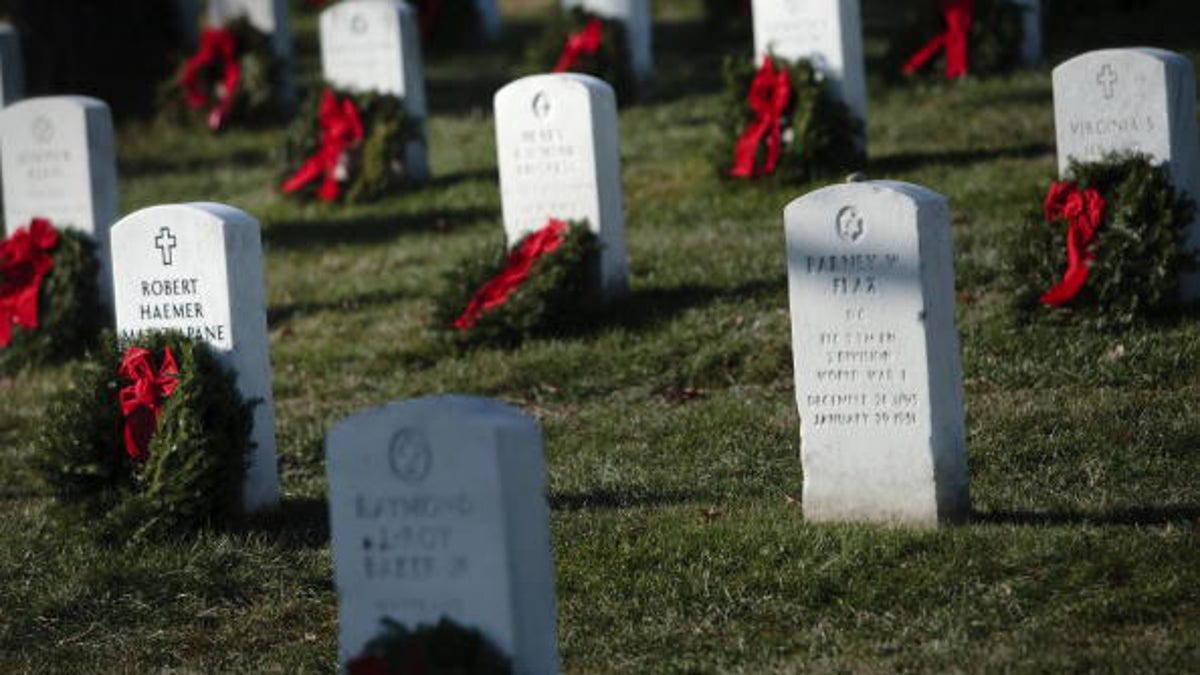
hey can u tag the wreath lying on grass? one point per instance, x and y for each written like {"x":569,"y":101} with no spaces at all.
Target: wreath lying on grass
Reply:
{"x":547,"y":281}
{"x":963,"y":37}
{"x":444,"y":649}
{"x":234,"y":77}
{"x":1106,"y":245}
{"x":49,"y":301}
{"x":150,"y":441}
{"x":446,"y":24}
{"x":348,"y":145}
{"x":781,"y":119}
{"x":577,"y":41}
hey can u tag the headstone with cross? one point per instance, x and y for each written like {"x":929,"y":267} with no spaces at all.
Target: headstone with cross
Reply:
{"x":12,"y":66}
{"x":197,"y":269}
{"x":375,"y":45}
{"x":876,"y":355}
{"x":58,"y":161}
{"x":1139,"y":99}
{"x":558,"y":148}
{"x":639,"y":28}
{"x":437,"y":508}
{"x":268,"y":16}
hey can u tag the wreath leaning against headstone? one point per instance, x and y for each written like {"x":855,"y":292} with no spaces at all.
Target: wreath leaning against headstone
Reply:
{"x":957,"y":38}
{"x":578,"y":41}
{"x":446,"y":648}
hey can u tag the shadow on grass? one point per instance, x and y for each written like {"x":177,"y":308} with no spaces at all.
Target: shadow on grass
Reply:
{"x":909,"y":161}
{"x":283,"y":313}
{"x":623,"y":498}
{"x":154,"y":166}
{"x":1147,"y":515}
{"x":649,"y":307}
{"x":300,"y":522}
{"x":291,"y":235}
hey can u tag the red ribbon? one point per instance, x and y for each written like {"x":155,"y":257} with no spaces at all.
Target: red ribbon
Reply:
{"x":341,"y":128}
{"x":498,"y":289}
{"x":1083,"y":210}
{"x":25,"y":260}
{"x":218,"y":47}
{"x":955,"y":40}
{"x":141,"y":401}
{"x":770,"y":94}
{"x":584,"y":43}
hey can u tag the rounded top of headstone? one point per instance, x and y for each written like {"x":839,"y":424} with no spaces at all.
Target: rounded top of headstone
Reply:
{"x":70,"y":102}
{"x":458,"y":406}
{"x":7,"y":28}
{"x":849,"y":192}
{"x":350,"y":5}
{"x":191,"y":212}
{"x":1165,"y":56}
{"x":594,"y":86}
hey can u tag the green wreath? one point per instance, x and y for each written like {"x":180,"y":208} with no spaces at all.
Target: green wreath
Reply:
{"x":195,"y":461}
{"x":70,"y":315}
{"x":612,"y":62}
{"x":259,"y":99}
{"x":820,"y":136}
{"x":445,"y":649}
{"x":997,"y":33}
{"x":561,"y":288}
{"x":1138,"y":257}
{"x":375,"y":166}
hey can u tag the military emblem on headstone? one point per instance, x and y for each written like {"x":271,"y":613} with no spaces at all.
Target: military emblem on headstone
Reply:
{"x":849,"y":224}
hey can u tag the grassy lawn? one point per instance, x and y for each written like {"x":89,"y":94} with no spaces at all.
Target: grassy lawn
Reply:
{"x":671,"y":429}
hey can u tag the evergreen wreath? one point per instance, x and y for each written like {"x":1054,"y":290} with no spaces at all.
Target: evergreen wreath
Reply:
{"x":820,"y":133}
{"x":997,"y":32}
{"x":612,"y":62}
{"x":444,"y":649}
{"x":1137,"y":255}
{"x":448,"y":24}
{"x":561,"y":287}
{"x":258,"y":96}
{"x":194,"y":464}
{"x":70,"y":315}
{"x":371,"y":167}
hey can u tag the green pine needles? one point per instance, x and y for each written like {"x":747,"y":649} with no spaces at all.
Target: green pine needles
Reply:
{"x":444,"y":649}
{"x":611,"y":63}
{"x":997,"y":32}
{"x":820,"y":134}
{"x":562,"y":287}
{"x":377,"y":165}
{"x":70,"y":316}
{"x":196,"y":460}
{"x":1137,"y":247}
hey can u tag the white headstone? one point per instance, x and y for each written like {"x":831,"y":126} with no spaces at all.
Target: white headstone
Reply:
{"x":639,"y":27}
{"x":198,"y":269}
{"x":268,"y":16}
{"x":1031,"y":28}
{"x":826,"y":32}
{"x":1138,"y":99}
{"x":489,"y":18}
{"x":558,"y":147}
{"x":58,"y":161}
{"x":438,"y":509}
{"x":375,"y":45}
{"x":878,"y":371}
{"x":12,"y":66}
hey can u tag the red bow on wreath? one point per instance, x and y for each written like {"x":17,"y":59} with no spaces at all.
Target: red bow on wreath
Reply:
{"x":25,"y":260}
{"x":498,"y":289}
{"x":141,"y":401}
{"x":770,"y":94}
{"x":584,"y":43}
{"x":1083,"y":210}
{"x":955,"y":40}
{"x":218,"y":47}
{"x":341,"y":129}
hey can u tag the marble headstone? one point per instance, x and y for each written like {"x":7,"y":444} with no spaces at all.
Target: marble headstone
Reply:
{"x":270,"y":17}
{"x":877,"y":364}
{"x":12,"y":66}
{"x":558,"y":147}
{"x":639,"y":26}
{"x":1031,"y":28}
{"x":198,"y":269}
{"x":58,"y":161}
{"x":489,"y":18}
{"x":1139,"y":99}
{"x":437,"y":508}
{"x":826,"y":32}
{"x":375,"y":45}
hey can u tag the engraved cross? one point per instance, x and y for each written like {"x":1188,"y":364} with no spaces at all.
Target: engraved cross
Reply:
{"x":1107,"y":80}
{"x":165,"y":242}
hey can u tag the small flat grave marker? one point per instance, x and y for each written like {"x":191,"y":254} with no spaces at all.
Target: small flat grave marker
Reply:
{"x":59,"y":162}
{"x":878,"y":371}
{"x":558,"y":148}
{"x":198,"y":269}
{"x":437,"y":509}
